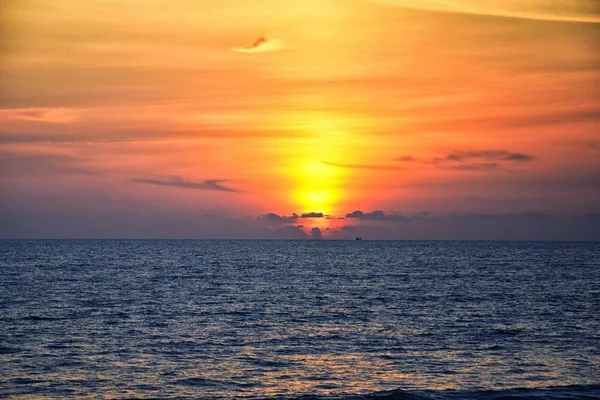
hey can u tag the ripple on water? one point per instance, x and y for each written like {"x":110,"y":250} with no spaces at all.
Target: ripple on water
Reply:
{"x":173,"y":319}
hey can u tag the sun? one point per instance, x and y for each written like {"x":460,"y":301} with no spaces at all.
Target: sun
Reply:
{"x":320,"y":145}
{"x":317,"y":185}
{"x":314,"y":187}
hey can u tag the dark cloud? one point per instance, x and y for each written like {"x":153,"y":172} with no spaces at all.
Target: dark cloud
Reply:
{"x":68,"y":218}
{"x":60,"y":215}
{"x":209,"y":184}
{"x":491,"y":155}
{"x":312,"y":215}
{"x":531,"y":226}
{"x":359,"y":214}
{"x":472,"y":160}
{"x":276,"y":219}
{"x":519,"y":157}
{"x":473,"y":167}
{"x":289,"y":232}
{"x":279,"y":219}
{"x":315,"y":233}
{"x":377,"y":215}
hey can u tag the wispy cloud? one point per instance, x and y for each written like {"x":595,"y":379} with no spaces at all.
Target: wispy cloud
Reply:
{"x":587,"y":11}
{"x":551,"y":117}
{"x":471,"y":160}
{"x":488,"y":155}
{"x":52,"y":115}
{"x":473,"y":167}
{"x":363,"y":166}
{"x":209,"y":184}
{"x":42,"y":163}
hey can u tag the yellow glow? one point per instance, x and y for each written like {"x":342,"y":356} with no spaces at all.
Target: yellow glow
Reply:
{"x":317,"y":186}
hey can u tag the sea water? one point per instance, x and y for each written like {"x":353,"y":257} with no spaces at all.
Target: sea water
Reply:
{"x":329,"y":319}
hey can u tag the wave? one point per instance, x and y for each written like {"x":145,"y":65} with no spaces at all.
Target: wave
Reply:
{"x":584,"y":392}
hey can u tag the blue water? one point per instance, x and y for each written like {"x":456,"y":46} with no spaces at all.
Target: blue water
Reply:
{"x":177,"y":319}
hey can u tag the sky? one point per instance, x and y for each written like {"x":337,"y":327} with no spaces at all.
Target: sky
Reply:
{"x":385,"y":119}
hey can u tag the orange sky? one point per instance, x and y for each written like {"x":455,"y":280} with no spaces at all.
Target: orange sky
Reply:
{"x":150,"y":117}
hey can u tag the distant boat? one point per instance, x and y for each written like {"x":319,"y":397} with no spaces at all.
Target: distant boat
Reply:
{"x":358,"y":238}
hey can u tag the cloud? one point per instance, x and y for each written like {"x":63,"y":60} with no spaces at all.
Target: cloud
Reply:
{"x":67,"y":217}
{"x":488,"y":155}
{"x":377,"y":215}
{"x":37,"y":163}
{"x":261,"y":45}
{"x":71,"y":215}
{"x":53,"y":115}
{"x":473,"y":167}
{"x":526,"y":119}
{"x":471,"y":160}
{"x":569,"y":116}
{"x":519,"y":157}
{"x":290,"y":232}
{"x":118,"y":135}
{"x":315,"y":233}
{"x":358,"y":214}
{"x":312,"y":215}
{"x":281,"y":226}
{"x":279,"y":219}
{"x":209,"y":184}
{"x":587,"y":11}
{"x":276,"y":219}
{"x":533,"y":225}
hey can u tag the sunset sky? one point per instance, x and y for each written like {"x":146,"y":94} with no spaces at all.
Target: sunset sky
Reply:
{"x":456,"y":119}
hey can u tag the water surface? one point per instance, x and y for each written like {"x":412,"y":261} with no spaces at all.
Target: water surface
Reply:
{"x":289,"y":318}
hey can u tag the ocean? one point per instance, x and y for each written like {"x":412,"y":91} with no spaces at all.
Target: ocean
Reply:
{"x":290,"y":319}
